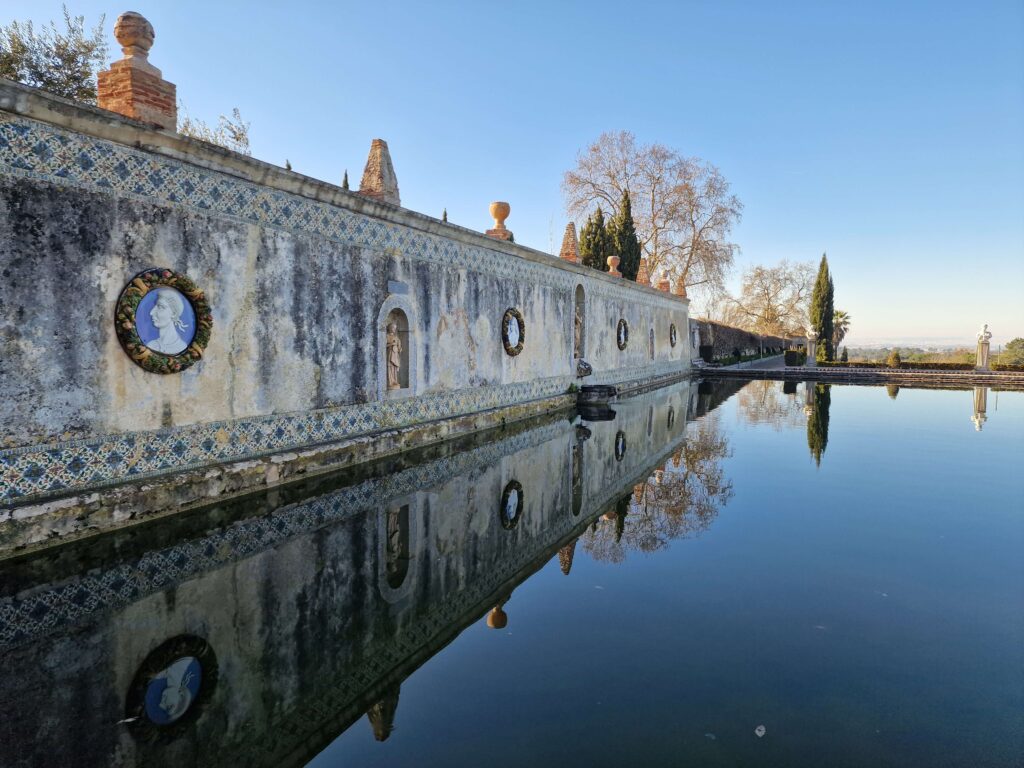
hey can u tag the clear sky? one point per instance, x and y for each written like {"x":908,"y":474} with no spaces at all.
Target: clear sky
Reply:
{"x":890,"y":135}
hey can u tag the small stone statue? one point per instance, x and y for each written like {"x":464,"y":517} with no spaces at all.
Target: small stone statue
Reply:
{"x":984,"y":334}
{"x":578,"y":331}
{"x":394,"y":357}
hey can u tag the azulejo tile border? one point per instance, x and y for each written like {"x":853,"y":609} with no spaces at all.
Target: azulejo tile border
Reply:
{"x":36,"y":472}
{"x":32,"y":149}
{"x":27,"y":618}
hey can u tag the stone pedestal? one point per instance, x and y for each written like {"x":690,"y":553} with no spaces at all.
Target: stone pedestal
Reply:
{"x":613,"y":266}
{"x":982,"y":363}
{"x":812,"y":351}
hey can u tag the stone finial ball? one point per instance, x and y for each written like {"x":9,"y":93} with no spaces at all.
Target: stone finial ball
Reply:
{"x":500,"y":212}
{"x":134,"y":33}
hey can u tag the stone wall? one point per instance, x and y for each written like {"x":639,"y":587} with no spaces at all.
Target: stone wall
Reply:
{"x":300,"y":277}
{"x":725,"y":340}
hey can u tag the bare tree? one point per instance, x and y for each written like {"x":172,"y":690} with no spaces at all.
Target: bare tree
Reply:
{"x":682,"y":207}
{"x":774,"y":300}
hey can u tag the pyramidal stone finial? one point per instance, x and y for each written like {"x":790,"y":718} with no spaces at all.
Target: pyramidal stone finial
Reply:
{"x":570,"y":245}
{"x":681,"y":288}
{"x":379,"y":179}
{"x":643,"y":274}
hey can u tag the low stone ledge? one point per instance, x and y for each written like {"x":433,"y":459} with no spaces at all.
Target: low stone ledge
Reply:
{"x":74,"y":516}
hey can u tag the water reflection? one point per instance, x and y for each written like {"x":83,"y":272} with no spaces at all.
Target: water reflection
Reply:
{"x":819,"y":397}
{"x":294,"y":613}
{"x":680,"y":499}
{"x":980,"y":407}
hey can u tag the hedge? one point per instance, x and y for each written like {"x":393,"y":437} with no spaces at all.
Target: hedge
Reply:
{"x":905,"y":366}
{"x":794,"y":357}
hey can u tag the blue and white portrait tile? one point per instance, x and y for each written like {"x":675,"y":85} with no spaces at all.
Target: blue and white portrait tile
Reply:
{"x":165,"y":321}
{"x":172,"y":691}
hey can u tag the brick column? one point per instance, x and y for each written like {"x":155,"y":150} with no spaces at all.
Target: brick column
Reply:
{"x":132,"y":86}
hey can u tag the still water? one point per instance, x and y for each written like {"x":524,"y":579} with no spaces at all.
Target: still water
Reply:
{"x":721,"y":574}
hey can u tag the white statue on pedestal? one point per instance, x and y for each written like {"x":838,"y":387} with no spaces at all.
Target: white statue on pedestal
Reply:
{"x":984,"y":337}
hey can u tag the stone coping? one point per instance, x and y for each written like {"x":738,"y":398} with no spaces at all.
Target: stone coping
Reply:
{"x":102,"y":124}
{"x":1004,"y":379}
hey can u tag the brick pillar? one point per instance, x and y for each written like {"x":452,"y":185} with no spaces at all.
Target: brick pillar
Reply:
{"x":132,"y":86}
{"x":500,"y":212}
{"x":681,"y":288}
{"x":664,"y":284}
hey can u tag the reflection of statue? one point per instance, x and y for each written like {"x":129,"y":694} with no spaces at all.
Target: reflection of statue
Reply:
{"x":394,"y":357}
{"x":166,"y":316}
{"x":578,"y":332}
{"x":382,"y":714}
{"x":980,"y":406}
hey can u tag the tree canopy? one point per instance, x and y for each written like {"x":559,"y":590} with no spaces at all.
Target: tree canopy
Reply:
{"x":63,"y":62}
{"x":823,"y":311}
{"x":624,"y":239}
{"x":682,"y":207}
{"x":595,"y":242}
{"x":773,"y":300}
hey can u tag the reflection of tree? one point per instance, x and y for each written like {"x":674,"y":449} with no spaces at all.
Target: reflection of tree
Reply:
{"x":893,"y":390}
{"x":680,"y":499}
{"x":817,"y":421}
{"x":765,"y":402}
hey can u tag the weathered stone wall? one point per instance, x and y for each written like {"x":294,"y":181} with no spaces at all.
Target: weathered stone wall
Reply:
{"x":725,"y":340}
{"x":300,"y":277}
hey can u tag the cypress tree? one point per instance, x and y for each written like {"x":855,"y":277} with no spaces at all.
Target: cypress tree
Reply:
{"x":625,"y":243}
{"x":595,"y":244}
{"x":823,"y":310}
{"x":817,"y":424}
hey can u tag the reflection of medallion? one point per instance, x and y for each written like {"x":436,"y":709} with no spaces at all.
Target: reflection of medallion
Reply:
{"x":163,"y":321}
{"x":170,"y":688}
{"x":513,"y":331}
{"x":171,"y":692}
{"x":622,"y":334}
{"x":620,"y":445}
{"x":672,"y":334}
{"x":511,"y":505}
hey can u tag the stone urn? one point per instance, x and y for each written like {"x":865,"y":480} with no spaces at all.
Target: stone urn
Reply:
{"x":500,"y":212}
{"x":613,"y":266}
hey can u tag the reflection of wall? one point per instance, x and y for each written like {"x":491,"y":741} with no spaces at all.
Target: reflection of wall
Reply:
{"x":296,"y":604}
{"x":296,"y":273}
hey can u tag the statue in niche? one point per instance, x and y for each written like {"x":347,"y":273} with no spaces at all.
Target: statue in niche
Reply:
{"x":394,"y":357}
{"x":578,"y":331}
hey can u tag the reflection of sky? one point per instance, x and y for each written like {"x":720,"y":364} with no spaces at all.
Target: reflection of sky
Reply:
{"x":144,"y":323}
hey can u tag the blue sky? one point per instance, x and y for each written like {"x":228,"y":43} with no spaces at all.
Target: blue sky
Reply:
{"x":890,"y":135}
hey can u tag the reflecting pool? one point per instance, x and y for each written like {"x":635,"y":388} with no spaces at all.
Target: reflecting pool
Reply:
{"x":715,"y":573}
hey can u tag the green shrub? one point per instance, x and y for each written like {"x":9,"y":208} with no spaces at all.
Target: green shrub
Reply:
{"x":794,"y":357}
{"x":1008,"y":367}
{"x":894,"y":360}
